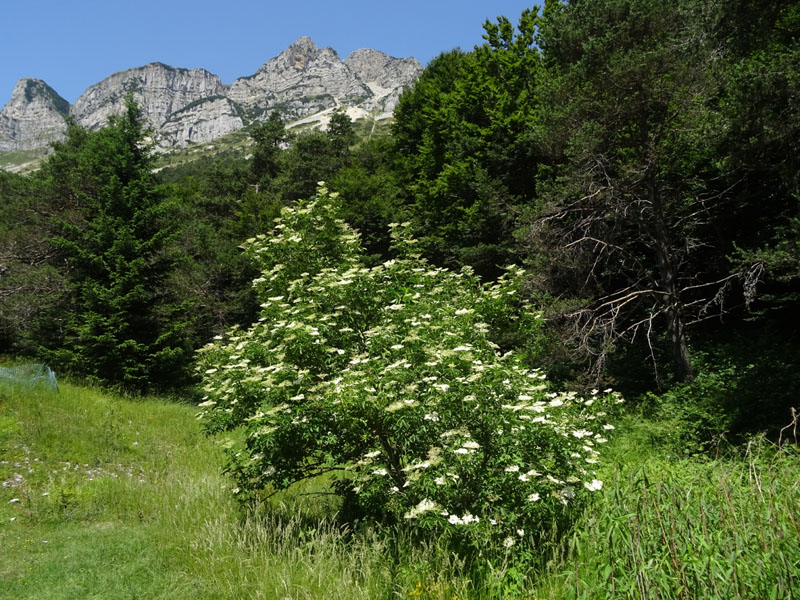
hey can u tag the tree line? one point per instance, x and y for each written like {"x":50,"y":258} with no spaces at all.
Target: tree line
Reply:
{"x":638,"y":157}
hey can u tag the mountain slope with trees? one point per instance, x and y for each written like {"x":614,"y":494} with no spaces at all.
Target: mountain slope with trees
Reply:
{"x":341,"y":303}
{"x":638,"y":156}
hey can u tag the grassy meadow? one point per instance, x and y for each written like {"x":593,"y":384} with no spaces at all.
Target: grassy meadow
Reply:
{"x":111,"y":497}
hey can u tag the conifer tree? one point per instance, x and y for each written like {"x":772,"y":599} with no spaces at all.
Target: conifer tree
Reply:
{"x":123,"y":328}
{"x":467,"y":148}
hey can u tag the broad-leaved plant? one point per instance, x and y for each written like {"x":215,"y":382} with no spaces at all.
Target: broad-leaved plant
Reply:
{"x":388,"y":378}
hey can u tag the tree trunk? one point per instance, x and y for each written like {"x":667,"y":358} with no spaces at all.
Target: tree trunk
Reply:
{"x":668,"y":283}
{"x":680,"y":351}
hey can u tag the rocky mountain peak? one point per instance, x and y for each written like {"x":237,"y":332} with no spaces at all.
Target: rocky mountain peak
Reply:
{"x":300,"y":53}
{"x":31,"y":92}
{"x":186,"y":106}
{"x":33,"y":117}
{"x":158,"y":88}
{"x":301,"y":80}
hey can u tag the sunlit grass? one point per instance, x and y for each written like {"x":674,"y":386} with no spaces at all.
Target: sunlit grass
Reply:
{"x":22,"y":161}
{"x":124,"y":498}
{"x":94,"y":478}
{"x":119,"y":498}
{"x":680,"y":528}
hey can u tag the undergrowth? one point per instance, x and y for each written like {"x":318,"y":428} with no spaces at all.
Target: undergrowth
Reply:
{"x":108,"y":497}
{"x":688,"y":528}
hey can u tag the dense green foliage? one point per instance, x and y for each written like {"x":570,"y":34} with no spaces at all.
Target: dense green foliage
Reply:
{"x":628,"y":209}
{"x":468,"y":153}
{"x":30,"y":282}
{"x":122,"y":327}
{"x":388,"y":377}
{"x":638,"y":157}
{"x":649,"y":205}
{"x":627,"y":147}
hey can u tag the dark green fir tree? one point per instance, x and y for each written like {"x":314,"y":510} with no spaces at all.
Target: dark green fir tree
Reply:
{"x":124,"y":328}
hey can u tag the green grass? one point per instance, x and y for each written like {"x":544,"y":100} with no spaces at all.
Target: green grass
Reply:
{"x":22,"y":161}
{"x":96,"y":478}
{"x":124,"y":498}
{"x":686,"y":528}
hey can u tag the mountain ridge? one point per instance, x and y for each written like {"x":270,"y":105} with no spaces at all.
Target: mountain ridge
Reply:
{"x":187,"y":106}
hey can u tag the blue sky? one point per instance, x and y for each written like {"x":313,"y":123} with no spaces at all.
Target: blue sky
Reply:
{"x":72,"y":45}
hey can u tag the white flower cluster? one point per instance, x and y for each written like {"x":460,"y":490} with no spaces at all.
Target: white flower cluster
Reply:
{"x":424,"y":506}
{"x":466,"y":519}
{"x":374,"y":356}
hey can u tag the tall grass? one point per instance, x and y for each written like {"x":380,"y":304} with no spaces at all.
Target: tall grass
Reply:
{"x":120,"y":498}
{"x":124,"y":498}
{"x":725,"y":528}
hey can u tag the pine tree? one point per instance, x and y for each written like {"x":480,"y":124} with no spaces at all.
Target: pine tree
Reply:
{"x":123,"y":328}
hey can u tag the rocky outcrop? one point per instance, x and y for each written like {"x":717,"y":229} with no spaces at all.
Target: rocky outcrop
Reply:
{"x":33,"y":117}
{"x":302,"y":80}
{"x":185,"y":106}
{"x":201,"y":121}
{"x":160,"y":90}
{"x":385,"y":75}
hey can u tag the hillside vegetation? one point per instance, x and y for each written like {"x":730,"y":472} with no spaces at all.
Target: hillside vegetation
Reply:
{"x":540,"y":340}
{"x":123,"y":498}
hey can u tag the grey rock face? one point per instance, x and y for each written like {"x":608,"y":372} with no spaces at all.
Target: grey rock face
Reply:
{"x":160,"y":90}
{"x":185,"y":106}
{"x":385,"y":75}
{"x":33,"y":117}
{"x":201,"y":121}
{"x":302,"y":80}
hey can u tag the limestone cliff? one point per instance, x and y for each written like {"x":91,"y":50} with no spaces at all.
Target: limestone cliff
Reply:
{"x":201,"y":121}
{"x":385,"y":75}
{"x":33,"y":117}
{"x":302,"y":80}
{"x":160,"y":90}
{"x":186,"y":106}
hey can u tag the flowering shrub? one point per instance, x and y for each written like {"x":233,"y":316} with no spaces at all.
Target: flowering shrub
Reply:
{"x":388,"y":378}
